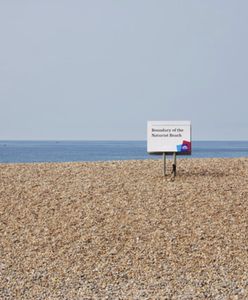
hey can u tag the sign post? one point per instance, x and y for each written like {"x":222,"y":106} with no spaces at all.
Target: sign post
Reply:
{"x":164,"y":154}
{"x":169,"y":138}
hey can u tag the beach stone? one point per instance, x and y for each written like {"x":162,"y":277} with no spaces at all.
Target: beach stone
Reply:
{"x":121,"y":230}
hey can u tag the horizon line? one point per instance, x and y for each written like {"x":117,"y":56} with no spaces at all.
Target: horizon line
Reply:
{"x":112,"y":140}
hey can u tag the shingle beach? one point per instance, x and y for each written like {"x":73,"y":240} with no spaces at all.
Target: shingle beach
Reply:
{"x":120,"y":230}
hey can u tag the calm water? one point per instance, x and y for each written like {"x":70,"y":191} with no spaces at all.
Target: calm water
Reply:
{"x":62,"y":151}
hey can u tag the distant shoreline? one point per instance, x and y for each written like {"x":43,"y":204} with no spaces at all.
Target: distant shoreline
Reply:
{"x":69,"y":151}
{"x":122,"y":161}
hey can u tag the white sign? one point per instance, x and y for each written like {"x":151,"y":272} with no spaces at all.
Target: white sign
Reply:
{"x":169,"y":137}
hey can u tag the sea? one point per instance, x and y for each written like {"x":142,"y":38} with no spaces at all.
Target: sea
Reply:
{"x":72,"y":151}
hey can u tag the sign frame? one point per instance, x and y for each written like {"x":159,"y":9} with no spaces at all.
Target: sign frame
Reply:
{"x":171,"y":137}
{"x":179,"y":140}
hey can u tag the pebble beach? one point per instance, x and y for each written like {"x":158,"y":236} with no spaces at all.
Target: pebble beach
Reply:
{"x":121,"y":230}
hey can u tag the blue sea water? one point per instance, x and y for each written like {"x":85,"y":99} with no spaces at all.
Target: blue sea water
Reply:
{"x":68,"y":151}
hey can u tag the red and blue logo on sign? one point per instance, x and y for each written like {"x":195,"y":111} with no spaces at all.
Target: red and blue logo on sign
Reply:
{"x":184,"y":147}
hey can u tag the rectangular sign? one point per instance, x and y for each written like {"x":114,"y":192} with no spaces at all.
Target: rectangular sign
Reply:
{"x":169,"y":137}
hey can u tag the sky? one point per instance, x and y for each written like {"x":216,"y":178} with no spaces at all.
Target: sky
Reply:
{"x":99,"y":70}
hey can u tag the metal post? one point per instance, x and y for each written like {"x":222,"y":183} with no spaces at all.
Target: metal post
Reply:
{"x":164,"y":156}
{"x":174,"y":166}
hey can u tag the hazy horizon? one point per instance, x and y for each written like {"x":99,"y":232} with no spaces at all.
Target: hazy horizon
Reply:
{"x":105,"y":140}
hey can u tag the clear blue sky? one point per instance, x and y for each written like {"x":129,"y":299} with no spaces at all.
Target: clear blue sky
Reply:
{"x":100,"y":69}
